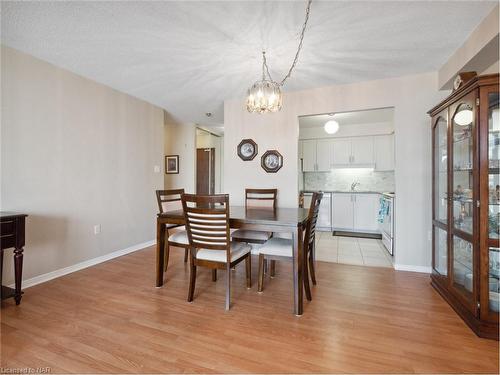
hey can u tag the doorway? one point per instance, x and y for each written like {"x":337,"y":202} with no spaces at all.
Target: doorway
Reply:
{"x":205,"y":171}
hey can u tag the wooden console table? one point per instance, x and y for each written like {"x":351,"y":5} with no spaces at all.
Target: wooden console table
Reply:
{"x":12,"y":235}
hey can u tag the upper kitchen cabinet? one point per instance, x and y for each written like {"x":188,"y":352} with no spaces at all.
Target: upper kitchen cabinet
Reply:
{"x":362,"y":151}
{"x":384,"y":152}
{"x":317,"y":155}
{"x":342,"y":152}
{"x":466,"y":201}
{"x":353,"y":152}
{"x":324,"y":155}
{"x":309,"y":155}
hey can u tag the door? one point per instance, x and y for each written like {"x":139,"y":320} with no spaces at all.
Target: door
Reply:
{"x":309,"y":156}
{"x":362,"y":151}
{"x":464,"y":192}
{"x":365,"y":212}
{"x":440,"y":193}
{"x":384,"y":152}
{"x":205,"y":171}
{"x":490,"y":194}
{"x":343,"y":214}
{"x":341,"y":152}
{"x":324,"y":155}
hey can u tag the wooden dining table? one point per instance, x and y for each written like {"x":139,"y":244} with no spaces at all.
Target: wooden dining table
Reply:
{"x":277,"y":220}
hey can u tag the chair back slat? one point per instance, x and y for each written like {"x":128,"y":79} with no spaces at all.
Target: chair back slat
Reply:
{"x":207,"y":221}
{"x":261,"y":198}
{"x":169,"y":200}
{"x":313,"y":217}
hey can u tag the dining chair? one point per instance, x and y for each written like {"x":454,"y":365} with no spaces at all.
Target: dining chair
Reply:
{"x":312,"y":251}
{"x":209,"y":235}
{"x":282,"y":248}
{"x":170,"y":200}
{"x":256,"y":198}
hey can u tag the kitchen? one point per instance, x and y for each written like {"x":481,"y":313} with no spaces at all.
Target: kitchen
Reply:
{"x":350,"y":157}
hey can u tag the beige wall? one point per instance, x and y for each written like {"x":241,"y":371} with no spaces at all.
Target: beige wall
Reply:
{"x":410,"y":96}
{"x":75,"y":153}
{"x":180,"y":139}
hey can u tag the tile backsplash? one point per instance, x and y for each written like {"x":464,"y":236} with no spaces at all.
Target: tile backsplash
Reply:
{"x":341,"y":179}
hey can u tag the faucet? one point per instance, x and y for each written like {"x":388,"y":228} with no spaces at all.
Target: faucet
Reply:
{"x":354,"y":184}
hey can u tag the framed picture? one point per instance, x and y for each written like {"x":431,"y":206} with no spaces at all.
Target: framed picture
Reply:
{"x":271,"y":161}
{"x":247,"y":149}
{"x":172,"y":164}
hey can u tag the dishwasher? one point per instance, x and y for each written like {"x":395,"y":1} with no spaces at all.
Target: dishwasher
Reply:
{"x":324,"y":223}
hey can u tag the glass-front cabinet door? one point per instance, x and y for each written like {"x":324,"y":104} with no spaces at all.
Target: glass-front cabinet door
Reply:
{"x":490,"y":213}
{"x":440,"y":206}
{"x":464,"y":175}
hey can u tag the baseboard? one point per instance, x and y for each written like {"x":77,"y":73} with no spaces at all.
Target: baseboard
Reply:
{"x":80,"y":266}
{"x":409,"y":268}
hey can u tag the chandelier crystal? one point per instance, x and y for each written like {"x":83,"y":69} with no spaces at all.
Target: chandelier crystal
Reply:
{"x":265,"y":95}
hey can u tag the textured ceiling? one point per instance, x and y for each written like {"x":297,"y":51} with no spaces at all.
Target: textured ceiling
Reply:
{"x":187,"y":57}
{"x":370,"y":116}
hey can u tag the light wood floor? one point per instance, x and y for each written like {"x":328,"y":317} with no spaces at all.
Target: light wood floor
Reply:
{"x":111,"y":319}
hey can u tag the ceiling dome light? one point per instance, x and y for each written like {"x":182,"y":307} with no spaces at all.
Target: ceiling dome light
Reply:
{"x":332,"y":127}
{"x":464,"y":117}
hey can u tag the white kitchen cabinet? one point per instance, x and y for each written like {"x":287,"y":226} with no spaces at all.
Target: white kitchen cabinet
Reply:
{"x":343,"y":211}
{"x":324,"y":155}
{"x":366,"y":212}
{"x":341,"y":154}
{"x":384,"y":152}
{"x":362,"y":151}
{"x":309,"y":155}
{"x":355,"y":212}
{"x":300,"y":153}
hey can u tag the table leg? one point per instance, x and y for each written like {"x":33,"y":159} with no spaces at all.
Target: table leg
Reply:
{"x":298,"y":261}
{"x":160,"y":252}
{"x":18,"y":273}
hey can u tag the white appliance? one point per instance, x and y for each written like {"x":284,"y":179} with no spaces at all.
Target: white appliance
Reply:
{"x":324,"y":223}
{"x":386,"y":221}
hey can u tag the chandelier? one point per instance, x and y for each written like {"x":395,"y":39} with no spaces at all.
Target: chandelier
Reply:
{"x":265,"y":95}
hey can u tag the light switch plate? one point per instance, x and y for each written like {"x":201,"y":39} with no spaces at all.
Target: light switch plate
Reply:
{"x":97,"y":229}
{"x":156,"y":169}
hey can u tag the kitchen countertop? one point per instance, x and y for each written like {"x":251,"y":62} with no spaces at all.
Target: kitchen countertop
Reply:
{"x":346,"y":191}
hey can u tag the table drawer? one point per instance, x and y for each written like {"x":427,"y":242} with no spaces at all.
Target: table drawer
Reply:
{"x":7,"y":227}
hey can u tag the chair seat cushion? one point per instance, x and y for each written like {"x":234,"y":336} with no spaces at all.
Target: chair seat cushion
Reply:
{"x":251,"y":235}
{"x":238,"y":249}
{"x":278,"y":247}
{"x":179,"y":237}
{"x":171,"y":226}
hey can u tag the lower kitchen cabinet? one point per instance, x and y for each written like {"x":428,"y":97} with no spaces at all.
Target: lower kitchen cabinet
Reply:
{"x":365,"y":212}
{"x":356,"y":212}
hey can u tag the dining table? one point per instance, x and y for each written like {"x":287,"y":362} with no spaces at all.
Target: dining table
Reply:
{"x":276,"y":220}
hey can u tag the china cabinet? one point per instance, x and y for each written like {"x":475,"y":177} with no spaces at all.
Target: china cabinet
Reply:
{"x":466,"y":202}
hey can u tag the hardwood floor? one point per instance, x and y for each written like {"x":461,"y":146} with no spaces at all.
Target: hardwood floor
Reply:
{"x":111,"y":319}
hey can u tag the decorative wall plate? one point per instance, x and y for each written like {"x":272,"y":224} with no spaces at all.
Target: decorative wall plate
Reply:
{"x":247,"y":149}
{"x":271,"y":161}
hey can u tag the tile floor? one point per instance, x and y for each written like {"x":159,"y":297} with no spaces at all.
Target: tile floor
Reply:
{"x":350,"y":250}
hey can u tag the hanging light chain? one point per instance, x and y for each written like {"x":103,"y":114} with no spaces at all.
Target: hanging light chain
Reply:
{"x":296,"y":58}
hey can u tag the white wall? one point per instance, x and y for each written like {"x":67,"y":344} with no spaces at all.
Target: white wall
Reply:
{"x":180,"y":139}
{"x":410,"y":96}
{"x":75,"y":153}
